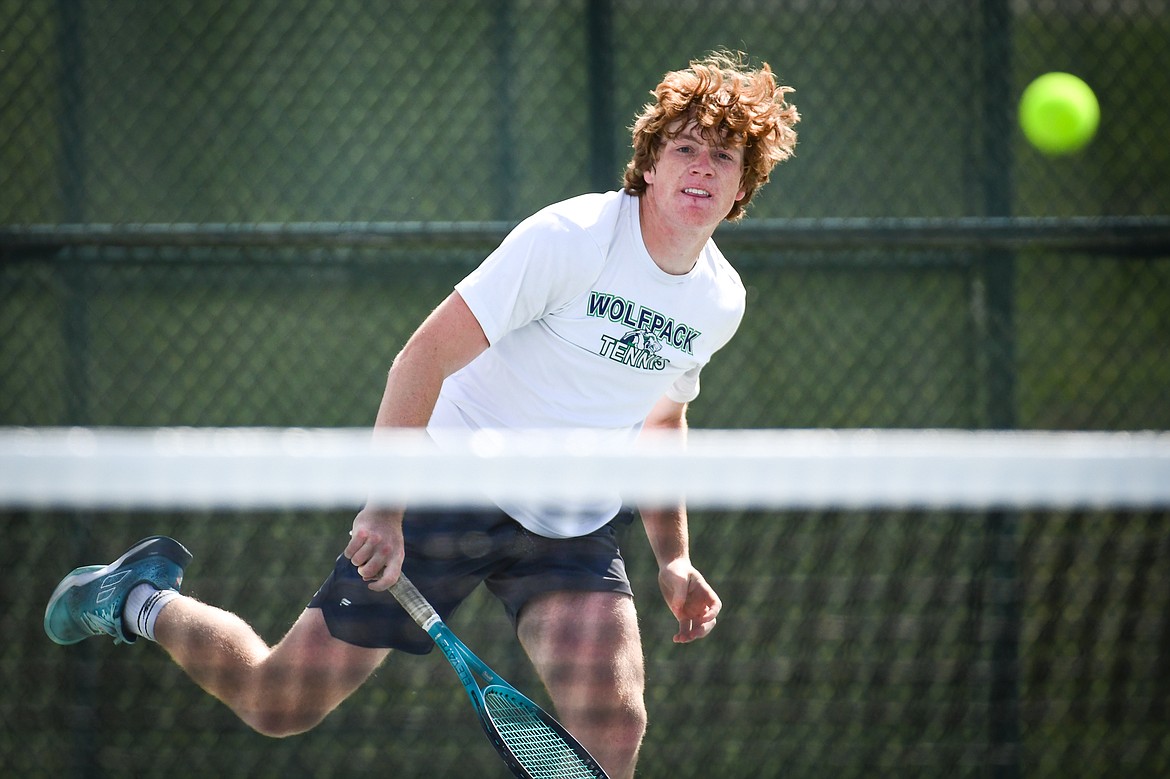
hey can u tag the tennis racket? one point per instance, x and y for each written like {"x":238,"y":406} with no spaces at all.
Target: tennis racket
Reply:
{"x":532,"y":743}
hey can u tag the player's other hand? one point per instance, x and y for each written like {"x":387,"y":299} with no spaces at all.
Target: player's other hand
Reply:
{"x":691,"y":600}
{"x":375,"y":546}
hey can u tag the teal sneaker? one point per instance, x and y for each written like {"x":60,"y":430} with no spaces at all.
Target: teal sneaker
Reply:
{"x":89,"y":601}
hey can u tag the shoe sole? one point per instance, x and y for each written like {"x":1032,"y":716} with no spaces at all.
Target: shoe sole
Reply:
{"x":147,"y":547}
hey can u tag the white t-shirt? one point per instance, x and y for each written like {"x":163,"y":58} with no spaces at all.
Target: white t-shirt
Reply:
{"x":585,"y":331}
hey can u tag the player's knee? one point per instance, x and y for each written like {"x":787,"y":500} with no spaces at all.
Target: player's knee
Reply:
{"x":631,"y":724}
{"x":613,"y":735}
{"x":282,"y":723}
{"x":620,"y":724}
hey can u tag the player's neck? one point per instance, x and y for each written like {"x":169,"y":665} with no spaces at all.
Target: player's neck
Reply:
{"x":674,"y":248}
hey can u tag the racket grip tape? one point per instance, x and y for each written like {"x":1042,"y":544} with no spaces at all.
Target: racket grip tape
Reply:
{"x":412,"y":600}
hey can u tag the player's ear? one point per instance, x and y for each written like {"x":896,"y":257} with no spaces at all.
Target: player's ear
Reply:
{"x":648,"y":176}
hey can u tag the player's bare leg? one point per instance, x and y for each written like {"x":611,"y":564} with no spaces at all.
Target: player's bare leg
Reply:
{"x":586,"y":648}
{"x":278,"y":691}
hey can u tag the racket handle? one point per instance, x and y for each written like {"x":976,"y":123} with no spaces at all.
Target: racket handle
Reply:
{"x":412,"y":600}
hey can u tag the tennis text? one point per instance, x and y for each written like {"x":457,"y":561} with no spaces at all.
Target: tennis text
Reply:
{"x":654,"y":326}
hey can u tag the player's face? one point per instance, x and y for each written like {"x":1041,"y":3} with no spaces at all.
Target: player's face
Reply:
{"x":696,"y":179}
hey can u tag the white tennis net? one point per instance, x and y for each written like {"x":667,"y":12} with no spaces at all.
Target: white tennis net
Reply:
{"x":796,"y":469}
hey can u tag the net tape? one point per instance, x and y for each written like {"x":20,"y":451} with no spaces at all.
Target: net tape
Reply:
{"x":252,"y":468}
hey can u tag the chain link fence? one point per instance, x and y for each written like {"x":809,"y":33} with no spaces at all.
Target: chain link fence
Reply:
{"x":474,"y":110}
{"x":235,"y":214}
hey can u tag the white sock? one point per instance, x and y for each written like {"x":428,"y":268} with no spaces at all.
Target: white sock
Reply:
{"x":143,"y":605}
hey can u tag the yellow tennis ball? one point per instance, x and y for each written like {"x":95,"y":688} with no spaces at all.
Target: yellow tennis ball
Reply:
{"x":1059,"y":113}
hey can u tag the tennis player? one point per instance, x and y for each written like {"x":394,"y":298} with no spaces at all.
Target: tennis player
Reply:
{"x":597,"y":312}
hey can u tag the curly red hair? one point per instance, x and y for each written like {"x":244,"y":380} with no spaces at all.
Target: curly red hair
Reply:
{"x":732,"y":104}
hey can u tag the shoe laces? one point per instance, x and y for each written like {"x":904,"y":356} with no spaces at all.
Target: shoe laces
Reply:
{"x":100,"y":621}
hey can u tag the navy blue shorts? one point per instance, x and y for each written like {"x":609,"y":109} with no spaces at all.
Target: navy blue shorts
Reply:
{"x":448,"y":554}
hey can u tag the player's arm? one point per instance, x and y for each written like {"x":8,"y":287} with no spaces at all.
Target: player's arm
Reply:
{"x":690,"y":598}
{"x":447,"y":340}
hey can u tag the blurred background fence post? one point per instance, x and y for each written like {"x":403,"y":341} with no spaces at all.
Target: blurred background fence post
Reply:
{"x":1002,"y":610}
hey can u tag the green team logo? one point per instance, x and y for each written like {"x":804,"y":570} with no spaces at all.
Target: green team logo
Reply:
{"x":647,"y":331}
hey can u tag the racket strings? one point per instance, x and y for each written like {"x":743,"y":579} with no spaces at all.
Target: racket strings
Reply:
{"x":539,"y":748}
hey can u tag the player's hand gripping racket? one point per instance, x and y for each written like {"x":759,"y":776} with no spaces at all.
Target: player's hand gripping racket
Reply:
{"x":532,"y":743}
